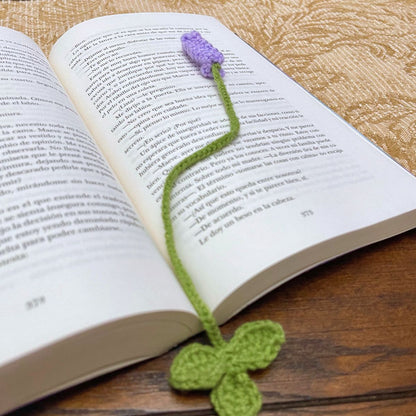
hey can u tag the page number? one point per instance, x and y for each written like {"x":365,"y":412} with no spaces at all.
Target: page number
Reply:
{"x":307,"y":213}
{"x":35,"y":303}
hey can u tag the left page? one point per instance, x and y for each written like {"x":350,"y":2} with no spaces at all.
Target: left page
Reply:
{"x":73,"y":254}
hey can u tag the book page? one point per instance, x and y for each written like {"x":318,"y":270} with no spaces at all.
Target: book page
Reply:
{"x":73,"y":254}
{"x":296,"y":177}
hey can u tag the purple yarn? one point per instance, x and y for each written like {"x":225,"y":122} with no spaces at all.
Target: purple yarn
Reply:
{"x":201,"y":52}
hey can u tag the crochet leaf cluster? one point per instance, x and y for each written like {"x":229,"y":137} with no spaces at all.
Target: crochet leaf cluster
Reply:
{"x":224,"y":369}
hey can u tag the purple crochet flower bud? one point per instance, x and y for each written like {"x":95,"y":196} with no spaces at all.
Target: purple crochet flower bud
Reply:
{"x":201,"y":52}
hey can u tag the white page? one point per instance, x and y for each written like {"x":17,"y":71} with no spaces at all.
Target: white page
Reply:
{"x":297,"y":175}
{"x":72,"y":251}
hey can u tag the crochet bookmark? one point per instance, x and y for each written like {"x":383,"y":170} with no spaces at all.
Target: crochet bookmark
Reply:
{"x":223,"y":367}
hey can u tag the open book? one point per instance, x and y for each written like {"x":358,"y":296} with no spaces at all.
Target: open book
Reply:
{"x":86,"y":140}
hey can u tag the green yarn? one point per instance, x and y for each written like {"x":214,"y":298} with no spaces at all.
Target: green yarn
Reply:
{"x":207,"y":319}
{"x":223,"y":367}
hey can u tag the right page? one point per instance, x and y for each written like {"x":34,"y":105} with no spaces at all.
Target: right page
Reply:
{"x":299,"y":186}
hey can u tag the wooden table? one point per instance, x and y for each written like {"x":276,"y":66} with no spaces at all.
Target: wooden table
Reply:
{"x":350,"y":350}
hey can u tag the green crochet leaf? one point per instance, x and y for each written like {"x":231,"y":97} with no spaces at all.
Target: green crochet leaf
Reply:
{"x":196,"y":367}
{"x":236,"y":395}
{"x":255,"y":345}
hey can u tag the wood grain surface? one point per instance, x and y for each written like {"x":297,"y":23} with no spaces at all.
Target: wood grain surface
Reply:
{"x":350,"y":350}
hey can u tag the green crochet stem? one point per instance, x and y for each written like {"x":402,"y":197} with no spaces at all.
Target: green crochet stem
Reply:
{"x":204,"y":313}
{"x":222,"y":368}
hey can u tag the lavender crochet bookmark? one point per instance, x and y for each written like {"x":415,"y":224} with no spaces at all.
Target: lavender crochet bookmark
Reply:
{"x":222,"y":367}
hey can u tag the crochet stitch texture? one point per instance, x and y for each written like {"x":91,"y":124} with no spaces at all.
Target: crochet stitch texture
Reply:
{"x":202,"y":53}
{"x":223,"y":367}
